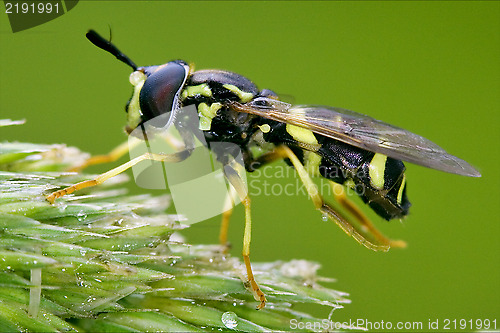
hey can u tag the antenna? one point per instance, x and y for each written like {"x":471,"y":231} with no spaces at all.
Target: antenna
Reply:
{"x":106,"y":45}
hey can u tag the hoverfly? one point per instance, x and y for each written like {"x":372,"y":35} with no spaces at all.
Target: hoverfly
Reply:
{"x":344,"y":147}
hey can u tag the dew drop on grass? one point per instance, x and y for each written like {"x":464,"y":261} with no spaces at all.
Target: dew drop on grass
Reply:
{"x":81,"y":216}
{"x":324,"y":217}
{"x":230,"y":319}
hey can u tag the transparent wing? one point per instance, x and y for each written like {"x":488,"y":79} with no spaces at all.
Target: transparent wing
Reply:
{"x":360,"y":131}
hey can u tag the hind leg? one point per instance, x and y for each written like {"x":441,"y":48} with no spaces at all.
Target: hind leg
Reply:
{"x":359,"y":234}
{"x":366,"y":225}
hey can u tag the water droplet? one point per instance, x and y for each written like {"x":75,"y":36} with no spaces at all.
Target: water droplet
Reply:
{"x":230,"y":319}
{"x":324,"y":217}
{"x":81,"y":216}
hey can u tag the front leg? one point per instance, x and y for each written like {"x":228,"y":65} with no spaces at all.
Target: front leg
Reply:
{"x":171,"y":158}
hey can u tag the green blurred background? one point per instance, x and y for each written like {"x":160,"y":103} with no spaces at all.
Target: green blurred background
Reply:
{"x":430,"y":67}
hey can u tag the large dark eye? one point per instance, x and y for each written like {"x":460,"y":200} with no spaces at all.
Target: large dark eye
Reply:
{"x":161,"y":89}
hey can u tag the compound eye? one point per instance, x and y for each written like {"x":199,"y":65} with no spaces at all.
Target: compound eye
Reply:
{"x":160,"y":92}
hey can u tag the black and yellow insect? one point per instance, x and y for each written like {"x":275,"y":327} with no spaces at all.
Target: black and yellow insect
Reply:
{"x":341,"y":146}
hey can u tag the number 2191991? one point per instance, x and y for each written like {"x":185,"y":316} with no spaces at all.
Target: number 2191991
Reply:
{"x":464,"y":324}
{"x":31,"y":7}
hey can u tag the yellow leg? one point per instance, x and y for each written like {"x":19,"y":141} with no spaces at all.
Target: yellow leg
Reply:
{"x":226,"y":216}
{"x":112,"y":156}
{"x":321,"y":205}
{"x":177,"y":157}
{"x":240,"y":188}
{"x":123,"y":149}
{"x":367,"y":225}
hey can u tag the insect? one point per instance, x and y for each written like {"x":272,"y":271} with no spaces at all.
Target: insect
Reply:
{"x":341,"y":146}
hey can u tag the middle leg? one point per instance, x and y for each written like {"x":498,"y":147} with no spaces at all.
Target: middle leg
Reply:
{"x":240,"y":187}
